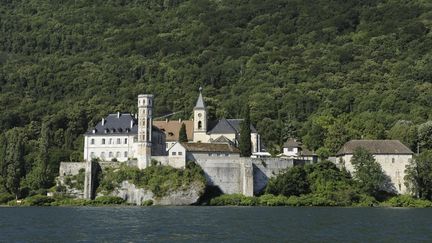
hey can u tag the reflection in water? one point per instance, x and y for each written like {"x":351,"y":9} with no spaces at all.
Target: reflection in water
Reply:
{"x":132,"y":224}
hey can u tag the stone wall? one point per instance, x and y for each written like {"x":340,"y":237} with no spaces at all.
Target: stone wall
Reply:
{"x":70,"y":168}
{"x":265,"y":168}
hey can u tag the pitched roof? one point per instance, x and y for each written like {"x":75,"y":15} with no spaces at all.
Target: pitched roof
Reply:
{"x":210,"y":147}
{"x":225,"y":126}
{"x":221,"y":139}
{"x":375,"y":147}
{"x":292,"y":143}
{"x":172,"y":129}
{"x":118,"y":123}
{"x":200,"y":102}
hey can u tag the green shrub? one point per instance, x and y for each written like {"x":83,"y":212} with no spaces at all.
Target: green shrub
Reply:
{"x":38,"y":200}
{"x":272,"y":200}
{"x":109,"y":200}
{"x":147,"y":203}
{"x":233,"y":200}
{"x":407,"y":201}
{"x":6,"y":197}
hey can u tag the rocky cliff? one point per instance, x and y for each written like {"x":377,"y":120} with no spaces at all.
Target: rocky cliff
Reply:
{"x":137,"y":196}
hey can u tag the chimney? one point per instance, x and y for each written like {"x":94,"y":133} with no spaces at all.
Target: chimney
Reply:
{"x":166,"y":120}
{"x":103,"y":121}
{"x":180,"y":120}
{"x":131,"y":124}
{"x":118,"y":114}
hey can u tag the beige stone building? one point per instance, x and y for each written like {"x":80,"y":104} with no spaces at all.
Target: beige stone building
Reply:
{"x":392,"y":155}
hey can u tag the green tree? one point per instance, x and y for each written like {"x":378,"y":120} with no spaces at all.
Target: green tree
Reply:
{"x":368,"y":172}
{"x":418,"y":175}
{"x":337,"y":136}
{"x":182,"y":134}
{"x":425,"y":135}
{"x":15,"y":170}
{"x":245,"y":143}
{"x":292,"y":182}
{"x":39,"y":175}
{"x":404,"y":131}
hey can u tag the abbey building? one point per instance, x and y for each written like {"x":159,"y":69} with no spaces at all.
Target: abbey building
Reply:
{"x":127,"y":137}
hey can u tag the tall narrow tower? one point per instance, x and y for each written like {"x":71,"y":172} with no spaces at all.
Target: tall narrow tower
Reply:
{"x":145,"y":123}
{"x":200,"y":120}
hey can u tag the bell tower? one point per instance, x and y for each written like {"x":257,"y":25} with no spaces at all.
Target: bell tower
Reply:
{"x":200,"y":119}
{"x":145,"y":123}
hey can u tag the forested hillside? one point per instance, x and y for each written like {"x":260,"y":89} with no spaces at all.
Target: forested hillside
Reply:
{"x":324,"y":71}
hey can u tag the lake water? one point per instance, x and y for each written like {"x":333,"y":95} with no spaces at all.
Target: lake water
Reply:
{"x":214,"y":224}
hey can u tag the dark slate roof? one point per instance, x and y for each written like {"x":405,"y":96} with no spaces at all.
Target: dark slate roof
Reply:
{"x":375,"y":147}
{"x":225,"y":126}
{"x":200,"y":102}
{"x":118,"y":123}
{"x":292,"y":143}
{"x":210,"y":147}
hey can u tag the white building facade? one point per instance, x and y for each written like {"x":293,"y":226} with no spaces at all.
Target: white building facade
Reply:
{"x":122,"y":137}
{"x":392,"y":155}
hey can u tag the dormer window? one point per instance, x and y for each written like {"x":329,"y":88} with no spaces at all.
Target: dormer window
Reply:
{"x":120,"y":130}
{"x":170,"y":134}
{"x":113,"y":130}
{"x":106,"y":130}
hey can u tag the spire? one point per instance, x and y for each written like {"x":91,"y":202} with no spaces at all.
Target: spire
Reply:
{"x":200,"y":102}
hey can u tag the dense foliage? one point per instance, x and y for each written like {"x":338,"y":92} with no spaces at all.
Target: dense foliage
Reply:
{"x":324,"y":71}
{"x":418,"y":178}
{"x":324,"y":181}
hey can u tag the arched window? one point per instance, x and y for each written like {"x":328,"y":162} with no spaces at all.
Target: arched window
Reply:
{"x":199,"y":125}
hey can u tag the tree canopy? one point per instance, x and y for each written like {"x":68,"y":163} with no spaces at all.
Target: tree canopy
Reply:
{"x":323,"y":71}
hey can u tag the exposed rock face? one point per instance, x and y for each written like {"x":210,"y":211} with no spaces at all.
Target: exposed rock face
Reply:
{"x":134,"y":195}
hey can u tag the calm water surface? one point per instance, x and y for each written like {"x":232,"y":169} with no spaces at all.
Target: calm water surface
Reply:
{"x":214,"y":224}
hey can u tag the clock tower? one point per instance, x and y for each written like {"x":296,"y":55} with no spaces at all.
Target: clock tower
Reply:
{"x":200,"y":120}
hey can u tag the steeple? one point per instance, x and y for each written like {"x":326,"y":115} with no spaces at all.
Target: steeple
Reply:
{"x":200,"y":102}
{"x":200,"y":119}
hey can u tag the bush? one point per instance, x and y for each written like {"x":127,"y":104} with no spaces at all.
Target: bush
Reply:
{"x":109,"y":200}
{"x":6,"y":197}
{"x":147,"y":203}
{"x":38,"y":200}
{"x":272,"y":200}
{"x":234,"y":200}
{"x":407,"y":201}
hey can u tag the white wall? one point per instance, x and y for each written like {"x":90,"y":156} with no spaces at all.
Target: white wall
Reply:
{"x":115,"y":148}
{"x":393,"y":165}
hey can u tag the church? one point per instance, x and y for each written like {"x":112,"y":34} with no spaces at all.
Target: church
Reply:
{"x":126,"y":137}
{"x":201,"y":130}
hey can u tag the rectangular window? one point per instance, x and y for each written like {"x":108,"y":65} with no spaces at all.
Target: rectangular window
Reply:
{"x":110,"y":155}
{"x":180,"y":153}
{"x":110,"y":141}
{"x":103,"y":140}
{"x":125,"y":154}
{"x":226,"y":155}
{"x":92,"y":155}
{"x":290,"y":149}
{"x":173,"y":153}
{"x":125,"y":141}
{"x":103,"y":155}
{"x":118,"y":155}
{"x":118,"y":141}
{"x":92,"y":141}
